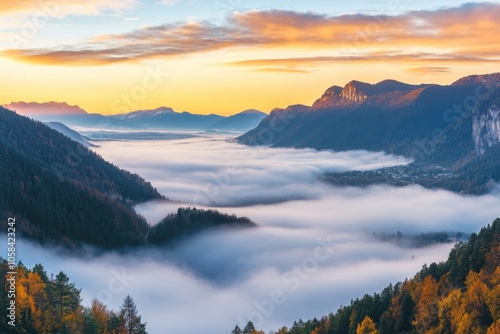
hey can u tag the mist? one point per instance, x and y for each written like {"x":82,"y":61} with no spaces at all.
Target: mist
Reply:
{"x":312,"y":251}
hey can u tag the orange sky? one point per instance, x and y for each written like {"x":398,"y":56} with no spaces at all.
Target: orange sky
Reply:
{"x":251,"y":59}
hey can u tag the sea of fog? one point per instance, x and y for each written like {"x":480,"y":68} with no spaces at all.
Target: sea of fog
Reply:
{"x":312,"y":252}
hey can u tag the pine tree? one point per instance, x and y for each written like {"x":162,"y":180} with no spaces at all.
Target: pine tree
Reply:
{"x":249,"y":328}
{"x":237,"y":330}
{"x":132,"y":320}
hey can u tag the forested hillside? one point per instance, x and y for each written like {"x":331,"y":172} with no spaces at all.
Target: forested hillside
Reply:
{"x":53,"y":305}
{"x":55,"y":152}
{"x":189,"y":221}
{"x":61,"y":192}
{"x":460,"y":295}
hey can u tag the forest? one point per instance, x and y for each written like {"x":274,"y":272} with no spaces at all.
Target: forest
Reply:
{"x":62,"y":193}
{"x":460,"y":295}
{"x":188,"y":221}
{"x":52,"y":304}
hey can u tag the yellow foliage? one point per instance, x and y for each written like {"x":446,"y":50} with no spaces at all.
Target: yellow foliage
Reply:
{"x":493,"y":302}
{"x":426,"y":317}
{"x":367,"y":326}
{"x":494,"y":328}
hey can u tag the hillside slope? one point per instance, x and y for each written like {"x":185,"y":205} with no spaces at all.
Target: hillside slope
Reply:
{"x":61,"y":192}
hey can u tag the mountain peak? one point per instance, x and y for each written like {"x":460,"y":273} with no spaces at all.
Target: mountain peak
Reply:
{"x":45,"y":108}
{"x":250,"y":111}
{"x":489,"y":80}
{"x":146,"y":112}
{"x":358,"y":91}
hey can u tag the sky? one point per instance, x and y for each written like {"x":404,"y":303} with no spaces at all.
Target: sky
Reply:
{"x":225,"y":56}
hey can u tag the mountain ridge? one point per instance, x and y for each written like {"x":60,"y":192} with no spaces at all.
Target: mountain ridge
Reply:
{"x":45,"y":108}
{"x":159,"y":118}
{"x":431,"y":124}
{"x":63,"y":193}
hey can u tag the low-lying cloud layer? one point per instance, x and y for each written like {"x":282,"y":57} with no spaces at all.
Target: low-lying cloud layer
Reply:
{"x":213,"y":171}
{"x":312,"y":251}
{"x":175,"y":294}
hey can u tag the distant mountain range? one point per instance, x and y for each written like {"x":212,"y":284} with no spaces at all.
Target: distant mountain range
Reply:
{"x":159,"y":118}
{"x":47,"y":108}
{"x":455,"y":125}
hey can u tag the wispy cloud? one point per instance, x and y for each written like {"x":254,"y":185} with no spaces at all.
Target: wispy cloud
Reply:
{"x":451,"y":34}
{"x":170,"y":2}
{"x":63,"y":8}
{"x":423,"y":70}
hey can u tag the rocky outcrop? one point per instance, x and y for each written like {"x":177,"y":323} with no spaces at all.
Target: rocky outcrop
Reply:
{"x":486,"y":124}
{"x":357,"y":92}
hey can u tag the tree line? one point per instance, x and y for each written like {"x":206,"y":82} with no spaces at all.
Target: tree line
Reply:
{"x":52,"y":305}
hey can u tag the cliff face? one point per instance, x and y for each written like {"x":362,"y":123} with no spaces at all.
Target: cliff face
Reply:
{"x":486,"y":124}
{"x":356,"y":92}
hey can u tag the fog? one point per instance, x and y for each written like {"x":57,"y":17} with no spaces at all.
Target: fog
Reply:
{"x":213,"y":171}
{"x":312,"y":252}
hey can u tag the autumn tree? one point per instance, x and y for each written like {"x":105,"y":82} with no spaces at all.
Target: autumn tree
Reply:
{"x":32,"y":300}
{"x":426,"y":316}
{"x":101,"y":315}
{"x":367,"y":326}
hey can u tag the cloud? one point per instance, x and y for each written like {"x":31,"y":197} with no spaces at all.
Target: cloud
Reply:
{"x":246,"y":175}
{"x":446,"y":34}
{"x":280,"y":70}
{"x":428,"y":69}
{"x":298,"y":63}
{"x":170,"y":2}
{"x":63,"y":8}
{"x":171,"y":286}
{"x":313,"y":245}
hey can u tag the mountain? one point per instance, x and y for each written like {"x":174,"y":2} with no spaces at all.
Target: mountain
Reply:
{"x":356,"y":91}
{"x":484,"y":80}
{"x":243,"y":121}
{"x":432,"y":124}
{"x":159,"y":118}
{"x":60,"y":192}
{"x":73,"y":135}
{"x":460,"y":295}
{"x":144,"y":114}
{"x":61,"y":112}
{"x":167,"y":118}
{"x":47,"y":108}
